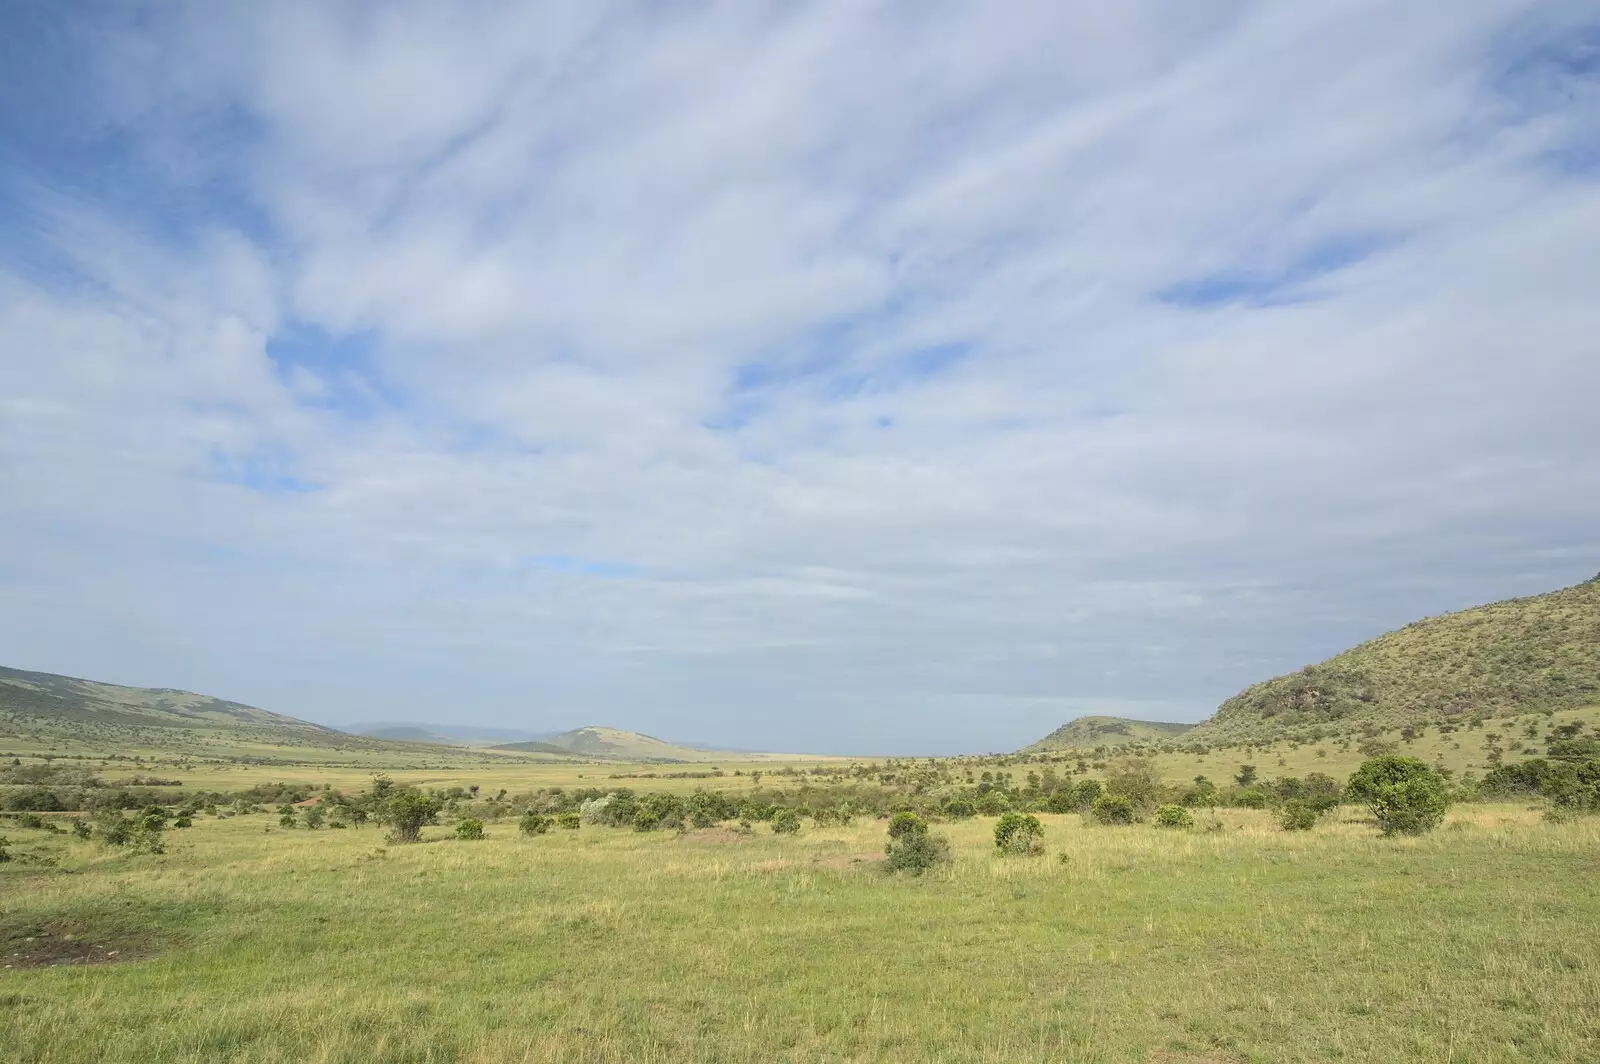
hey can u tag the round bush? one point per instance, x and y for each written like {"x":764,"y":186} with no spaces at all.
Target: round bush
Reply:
{"x":1173,"y":816}
{"x":1112,"y":809}
{"x":785,"y":822}
{"x":903,"y":824}
{"x":1018,"y":833}
{"x":959,"y":809}
{"x":534,"y":824}
{"x":569,"y":821}
{"x":469,"y":829}
{"x":1405,"y":794}
{"x":1297,"y":815}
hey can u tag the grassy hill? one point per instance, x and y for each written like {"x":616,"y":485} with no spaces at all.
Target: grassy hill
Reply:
{"x":44,"y":713}
{"x":1522,"y":655}
{"x":1086,"y":733}
{"x":614,"y":745}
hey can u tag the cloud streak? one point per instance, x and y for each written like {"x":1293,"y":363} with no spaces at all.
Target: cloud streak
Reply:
{"x":866,"y":377}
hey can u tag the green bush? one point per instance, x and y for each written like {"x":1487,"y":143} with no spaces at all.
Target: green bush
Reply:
{"x":905,"y":824}
{"x":993,"y":803}
{"x":534,"y":823}
{"x":1173,"y":816}
{"x":5,"y":855}
{"x":1018,"y":833}
{"x":1252,"y":798}
{"x":959,"y":809}
{"x":1405,"y":794}
{"x":469,"y":830}
{"x":1112,"y":809}
{"x":916,"y":851}
{"x":785,"y":822}
{"x":1298,"y":815}
{"x":569,"y":821}
{"x":406,"y":811}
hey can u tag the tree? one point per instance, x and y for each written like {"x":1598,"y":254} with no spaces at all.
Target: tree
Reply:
{"x":785,"y":822}
{"x":905,"y":824}
{"x":1136,"y":779}
{"x":534,"y":823}
{"x":1112,"y":809}
{"x":1018,"y":833}
{"x":406,"y":812}
{"x":469,"y":830}
{"x":1405,"y":795}
{"x":912,"y":848}
{"x":1245,"y":776}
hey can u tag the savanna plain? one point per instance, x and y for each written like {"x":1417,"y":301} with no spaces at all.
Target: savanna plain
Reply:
{"x":1231,"y":940}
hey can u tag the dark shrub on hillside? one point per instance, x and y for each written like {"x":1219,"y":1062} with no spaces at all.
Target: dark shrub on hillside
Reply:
{"x":993,"y":803}
{"x":469,"y":830}
{"x":785,"y":822}
{"x":1018,"y":833}
{"x":1252,"y":798}
{"x":569,"y":820}
{"x":1405,"y":795}
{"x":1172,"y":816}
{"x":535,"y":823}
{"x":1298,"y":815}
{"x":1112,"y":809}
{"x":1574,"y":786}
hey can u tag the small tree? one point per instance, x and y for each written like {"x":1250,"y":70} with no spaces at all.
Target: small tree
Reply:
{"x":1018,"y":833}
{"x":469,"y":830}
{"x":914,"y":849}
{"x":905,"y":824}
{"x":1112,"y":809}
{"x":1405,"y":795}
{"x":1173,"y":816}
{"x":315,"y":815}
{"x":1245,"y":776}
{"x":406,"y":812}
{"x":785,"y":822}
{"x":534,"y":823}
{"x":569,"y":820}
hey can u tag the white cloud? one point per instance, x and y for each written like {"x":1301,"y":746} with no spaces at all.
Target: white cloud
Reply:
{"x":883,"y":374}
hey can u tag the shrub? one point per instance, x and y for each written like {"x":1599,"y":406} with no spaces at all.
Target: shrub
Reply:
{"x":568,"y":821}
{"x":535,"y":823}
{"x":469,"y":830}
{"x":959,"y":809}
{"x":1173,"y":816}
{"x":916,"y":851}
{"x":315,"y":815}
{"x":1112,"y":809}
{"x":905,"y":824}
{"x":406,"y":812}
{"x":1298,"y":815}
{"x":1018,"y":833}
{"x":1405,"y":795}
{"x":80,"y":829}
{"x":785,"y":822}
{"x":1136,"y":779}
{"x":1252,"y":798}
{"x":993,"y":803}
{"x":5,"y":855}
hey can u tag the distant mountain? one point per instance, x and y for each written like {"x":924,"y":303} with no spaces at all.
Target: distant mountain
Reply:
{"x":1086,"y":733}
{"x":1506,"y":658}
{"x":449,"y":734}
{"x":615,"y":745}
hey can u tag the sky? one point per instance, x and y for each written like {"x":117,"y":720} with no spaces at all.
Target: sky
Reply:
{"x":862,"y":377}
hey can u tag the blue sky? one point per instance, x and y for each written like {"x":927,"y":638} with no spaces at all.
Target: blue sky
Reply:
{"x":867,"y":377}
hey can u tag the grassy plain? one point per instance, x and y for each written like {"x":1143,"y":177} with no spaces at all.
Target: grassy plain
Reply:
{"x":245,"y":942}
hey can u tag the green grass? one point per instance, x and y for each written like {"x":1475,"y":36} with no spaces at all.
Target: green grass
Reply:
{"x":1478,"y":943}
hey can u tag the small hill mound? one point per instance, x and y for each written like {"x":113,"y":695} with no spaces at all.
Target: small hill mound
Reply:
{"x":612,"y":744}
{"x":1086,"y":733}
{"x":1518,"y":656}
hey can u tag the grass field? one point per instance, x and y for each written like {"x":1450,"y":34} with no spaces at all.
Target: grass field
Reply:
{"x":245,"y":942}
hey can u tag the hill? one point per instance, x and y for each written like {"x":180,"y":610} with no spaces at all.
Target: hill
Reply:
{"x":45,"y":712}
{"x":447,"y":734}
{"x":1086,"y":733}
{"x":612,"y":744}
{"x":1522,"y":655}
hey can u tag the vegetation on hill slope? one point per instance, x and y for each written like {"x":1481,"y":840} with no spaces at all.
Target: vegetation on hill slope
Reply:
{"x":1522,"y":655}
{"x":1086,"y":733}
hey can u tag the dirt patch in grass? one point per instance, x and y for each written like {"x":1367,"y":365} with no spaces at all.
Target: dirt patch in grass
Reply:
{"x":1215,"y":1056}
{"x":852,"y":860}
{"x":101,"y":934}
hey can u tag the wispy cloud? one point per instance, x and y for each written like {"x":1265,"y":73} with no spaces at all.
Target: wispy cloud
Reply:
{"x":831,"y":376}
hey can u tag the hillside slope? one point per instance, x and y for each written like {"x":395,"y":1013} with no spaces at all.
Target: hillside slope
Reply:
{"x":615,"y":745}
{"x":65,"y":714}
{"x":1521,"y":655}
{"x":1086,"y":733}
